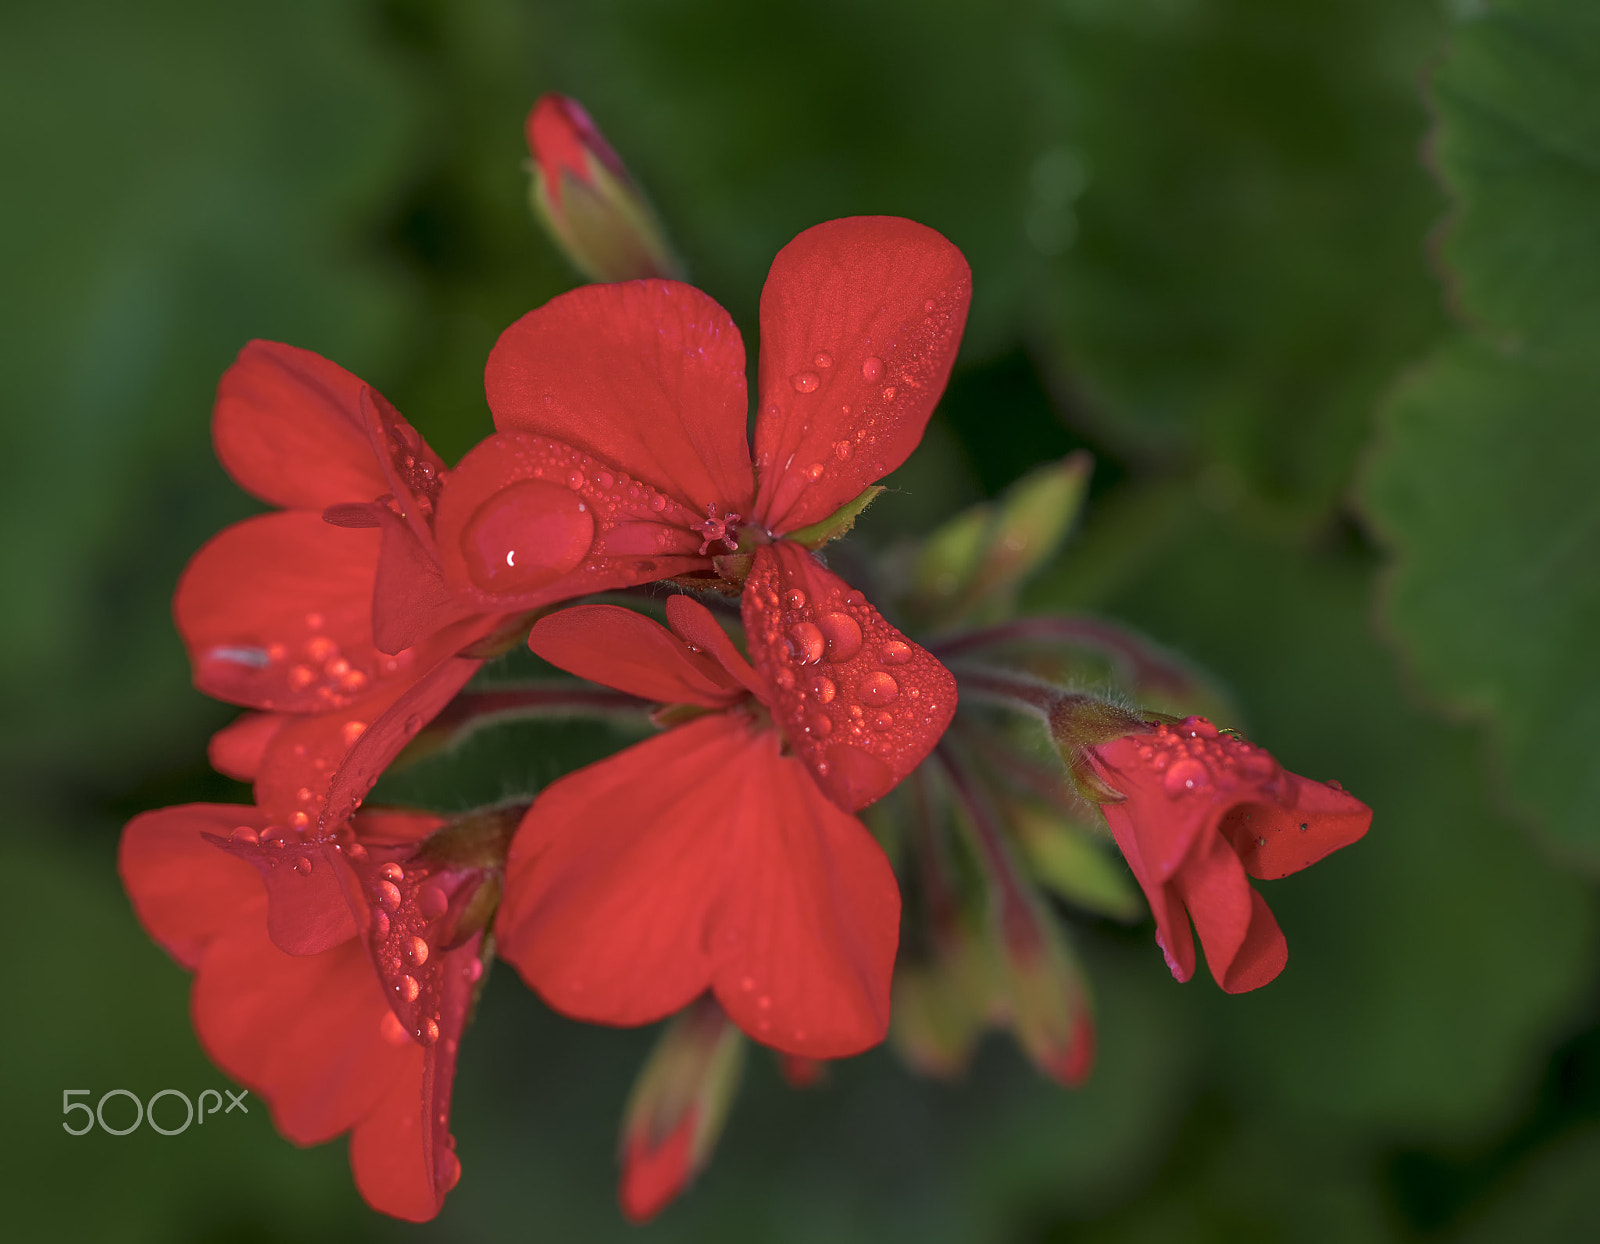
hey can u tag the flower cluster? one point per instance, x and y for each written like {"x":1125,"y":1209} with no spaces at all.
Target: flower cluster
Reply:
{"x":719,"y":871}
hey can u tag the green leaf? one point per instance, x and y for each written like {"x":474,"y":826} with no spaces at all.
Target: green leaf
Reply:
{"x":1482,"y":484}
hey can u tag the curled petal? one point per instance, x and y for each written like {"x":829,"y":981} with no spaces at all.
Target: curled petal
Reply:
{"x":288,"y":427}
{"x":1313,"y":820}
{"x":525,"y":521}
{"x":306,"y":909}
{"x":693,"y":623}
{"x":276,"y":612}
{"x":1244,"y":946}
{"x":860,"y":322}
{"x":645,"y":376}
{"x":619,"y":648}
{"x":859,"y":702}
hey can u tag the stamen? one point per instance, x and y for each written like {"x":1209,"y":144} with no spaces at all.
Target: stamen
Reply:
{"x":715,"y":529}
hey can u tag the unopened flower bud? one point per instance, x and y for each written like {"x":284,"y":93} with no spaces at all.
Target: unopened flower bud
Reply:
{"x":678,"y":1106}
{"x":587,"y":201}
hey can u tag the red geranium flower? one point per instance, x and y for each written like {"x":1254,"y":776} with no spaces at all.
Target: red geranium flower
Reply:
{"x":290,"y":614}
{"x":286,"y":999}
{"x":622,"y":454}
{"x":722,"y":854}
{"x":1200,"y":812}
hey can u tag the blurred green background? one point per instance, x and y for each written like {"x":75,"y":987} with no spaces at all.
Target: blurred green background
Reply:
{"x":1345,"y":460}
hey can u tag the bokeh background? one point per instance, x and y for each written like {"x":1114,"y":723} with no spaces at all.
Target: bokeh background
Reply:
{"x":1313,"y":281}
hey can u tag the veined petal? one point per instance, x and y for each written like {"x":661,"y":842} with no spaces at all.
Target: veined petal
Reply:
{"x":619,"y":648}
{"x":307,"y":1033}
{"x":525,"y":521}
{"x":612,"y":875}
{"x":809,"y":920}
{"x":276,"y":612}
{"x":693,"y":623}
{"x":183,"y":889}
{"x":288,"y":427}
{"x":412,"y":471}
{"x":306,"y":909}
{"x":859,"y":702}
{"x":646,"y":376}
{"x":860,"y":322}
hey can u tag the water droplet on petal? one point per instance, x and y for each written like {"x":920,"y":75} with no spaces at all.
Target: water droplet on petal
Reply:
{"x":408,"y":988}
{"x":883,"y":721}
{"x":428,"y":1033}
{"x":823,"y":689}
{"x":303,"y":865}
{"x":804,"y":382}
{"x":351,"y":731}
{"x":842,"y":450}
{"x":416,"y":950}
{"x":819,"y":725}
{"x":356,"y":851}
{"x":806,"y":643}
{"x":301,"y":677}
{"x":895,"y":652}
{"x":1186,"y":774}
{"x":1199,"y":728}
{"x":432,"y":902}
{"x":1333,"y":785}
{"x":747,"y":983}
{"x":391,"y":872}
{"x":244,"y":834}
{"x":824,"y":360}
{"x":604,"y":479}
{"x":878,"y":689}
{"x":575,"y":480}
{"x":314,"y":621}
{"x":388,"y":894}
{"x":814,"y":472}
{"x":658,"y":503}
{"x":843,"y":634}
{"x":526,"y":535}
{"x":871,"y":369}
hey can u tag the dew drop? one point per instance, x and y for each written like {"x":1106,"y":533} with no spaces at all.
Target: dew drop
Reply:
{"x":417,"y":950}
{"x":604,"y":479}
{"x":854,"y":598}
{"x":303,"y":865}
{"x":320,"y":648}
{"x":245,"y":836}
{"x":391,"y":872}
{"x":351,"y":731}
{"x":843,"y":635}
{"x":806,"y":642}
{"x":408,"y":988}
{"x":1200,"y":728}
{"x":314,"y":621}
{"x":388,"y":894}
{"x":658,"y":503}
{"x":432,"y":902}
{"x":795,"y":598}
{"x":525,"y":536}
{"x":1186,"y":774}
{"x":575,"y":479}
{"x":883,"y":721}
{"x":871,"y":369}
{"x":428,"y":1033}
{"x":928,"y":306}
{"x":764,"y":1002}
{"x":747,"y":983}
{"x":822,"y":687}
{"x":820,"y":725}
{"x":842,"y":450}
{"x":305,"y":794}
{"x":1333,"y":785}
{"x":895,"y":652}
{"x":301,"y":677}
{"x":804,"y":382}
{"x":356,"y":851}
{"x":814,"y":472}
{"x":888,"y":394}
{"x":824,"y":360}
{"x":878,"y":689}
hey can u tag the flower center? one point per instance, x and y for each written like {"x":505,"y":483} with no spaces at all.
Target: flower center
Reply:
{"x":716,"y":529}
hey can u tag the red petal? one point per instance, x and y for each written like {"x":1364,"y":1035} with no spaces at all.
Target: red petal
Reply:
{"x":288,"y":428}
{"x":693,"y":623}
{"x":304,"y":1032}
{"x":319,"y":768}
{"x":860,"y":321}
{"x":525,"y":521}
{"x":1313,"y":820}
{"x":859,"y":702}
{"x":276,"y":612}
{"x":236,"y":750}
{"x":410,"y":599}
{"x":612,"y":875}
{"x":703,"y":857}
{"x":622,"y":649}
{"x":306,"y":908}
{"x":808,"y":925}
{"x":1172,"y":923}
{"x":647,"y":376}
{"x":1244,"y":946}
{"x":412,"y":471}
{"x":183,"y":889}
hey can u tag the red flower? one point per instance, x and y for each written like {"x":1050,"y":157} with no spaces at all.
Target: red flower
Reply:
{"x":348,"y":652}
{"x":286,"y":999}
{"x":720,"y":854}
{"x":1199,"y":811}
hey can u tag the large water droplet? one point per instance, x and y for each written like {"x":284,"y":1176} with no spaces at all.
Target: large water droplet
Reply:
{"x":416,"y":950}
{"x":806,"y":643}
{"x":804,"y":382}
{"x":1186,"y":774}
{"x":871,"y":369}
{"x":388,"y":894}
{"x":895,"y":652}
{"x":525,"y":536}
{"x":795,"y":598}
{"x":843,"y":634}
{"x":878,"y":689}
{"x":245,"y":836}
{"x":823,"y":689}
{"x":391,"y":872}
{"x":820,"y":725}
{"x":408,"y":988}
{"x":428,"y":1032}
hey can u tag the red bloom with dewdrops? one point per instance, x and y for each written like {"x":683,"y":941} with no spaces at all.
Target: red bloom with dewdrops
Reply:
{"x":338,"y":991}
{"x":324,"y":625}
{"x":723,"y":853}
{"x":1197,"y":813}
